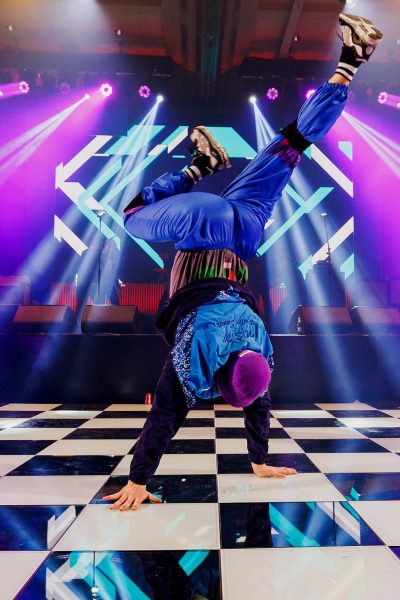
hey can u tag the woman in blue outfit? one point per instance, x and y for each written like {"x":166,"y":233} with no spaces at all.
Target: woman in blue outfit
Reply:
{"x":219,"y":346}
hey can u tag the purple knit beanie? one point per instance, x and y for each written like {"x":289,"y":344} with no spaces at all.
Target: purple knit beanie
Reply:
{"x":243,"y":378}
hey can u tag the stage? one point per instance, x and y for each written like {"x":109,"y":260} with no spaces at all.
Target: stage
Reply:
{"x":92,"y":368}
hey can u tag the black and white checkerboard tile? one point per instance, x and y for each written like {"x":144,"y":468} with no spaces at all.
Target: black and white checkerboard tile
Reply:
{"x":220,"y":532}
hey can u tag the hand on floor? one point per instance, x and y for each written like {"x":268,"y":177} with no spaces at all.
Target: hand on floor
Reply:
{"x":131,"y":496}
{"x":267,"y":471}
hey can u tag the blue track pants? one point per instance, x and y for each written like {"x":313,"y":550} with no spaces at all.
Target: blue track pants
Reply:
{"x":236,"y":218}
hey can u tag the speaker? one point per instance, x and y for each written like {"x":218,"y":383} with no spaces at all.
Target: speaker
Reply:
{"x":369,"y":319}
{"x":7,"y":314}
{"x":107,"y":318}
{"x":46,"y":318}
{"x":320,"y":319}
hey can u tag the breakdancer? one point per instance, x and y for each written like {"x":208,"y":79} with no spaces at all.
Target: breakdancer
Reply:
{"x":219,"y":346}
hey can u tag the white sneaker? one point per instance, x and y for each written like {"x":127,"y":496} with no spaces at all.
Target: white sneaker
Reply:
{"x":360,"y":35}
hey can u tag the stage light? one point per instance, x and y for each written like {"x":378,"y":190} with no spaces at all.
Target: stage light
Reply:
{"x":86,"y":97}
{"x":118,"y":32}
{"x":23,"y":87}
{"x":160,"y":98}
{"x":1,"y":93}
{"x":106,"y":89}
{"x":310,"y":93}
{"x":383,"y":98}
{"x":272,"y":94}
{"x":351,"y":3}
{"x":64,"y":87}
{"x":253,"y":99}
{"x":144,"y":91}
{"x":10,"y":28}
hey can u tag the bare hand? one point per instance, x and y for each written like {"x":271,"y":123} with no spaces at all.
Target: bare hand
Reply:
{"x":268,"y":471}
{"x":131,"y":496}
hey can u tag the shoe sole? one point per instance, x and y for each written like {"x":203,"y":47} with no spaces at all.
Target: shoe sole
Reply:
{"x":214,"y":146}
{"x":363,"y":28}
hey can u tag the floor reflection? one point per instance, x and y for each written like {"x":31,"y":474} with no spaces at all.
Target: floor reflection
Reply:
{"x":192,"y":575}
{"x":293,"y":524}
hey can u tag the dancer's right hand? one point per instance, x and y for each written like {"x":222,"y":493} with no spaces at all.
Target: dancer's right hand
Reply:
{"x":131,"y":496}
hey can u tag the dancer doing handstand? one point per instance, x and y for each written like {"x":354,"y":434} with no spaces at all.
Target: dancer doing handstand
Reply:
{"x":218,"y":344}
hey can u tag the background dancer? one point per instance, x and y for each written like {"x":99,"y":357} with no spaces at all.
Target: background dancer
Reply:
{"x":219,"y":345}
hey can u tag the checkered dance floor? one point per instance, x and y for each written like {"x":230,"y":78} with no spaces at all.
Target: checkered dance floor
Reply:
{"x":330,"y":532}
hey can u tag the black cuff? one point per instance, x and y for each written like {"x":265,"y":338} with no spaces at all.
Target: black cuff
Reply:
{"x":135,"y":203}
{"x":294,"y":137}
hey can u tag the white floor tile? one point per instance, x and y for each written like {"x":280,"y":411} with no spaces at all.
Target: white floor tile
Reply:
{"x":392,"y":413}
{"x":128,"y":407}
{"x":176,"y":464}
{"x":226,"y":407}
{"x":303,"y":487}
{"x":333,"y":573}
{"x":22,"y":565}
{"x":88,"y":447}
{"x":373,"y":422}
{"x":392,"y":444}
{"x":345,"y":406}
{"x":239,"y":446}
{"x":7,"y":423}
{"x":200,"y":414}
{"x":187,"y":464}
{"x":195,"y":433}
{"x":8,"y":462}
{"x":229,"y":422}
{"x":35,"y":433}
{"x":32,"y":407}
{"x":51,"y":489}
{"x":323,"y":433}
{"x":68,"y":414}
{"x":352,"y":462}
{"x":302,"y":414}
{"x":384,"y":518}
{"x":151,"y":527}
{"x":239,"y":422}
{"x":113,"y":424}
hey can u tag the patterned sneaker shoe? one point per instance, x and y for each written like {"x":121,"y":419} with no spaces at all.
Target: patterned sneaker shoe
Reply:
{"x":206,"y":146}
{"x":360,"y":35}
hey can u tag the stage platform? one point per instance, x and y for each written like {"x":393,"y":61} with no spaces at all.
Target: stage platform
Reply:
{"x":91,"y":368}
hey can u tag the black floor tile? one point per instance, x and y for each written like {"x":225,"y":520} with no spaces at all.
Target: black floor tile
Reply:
{"x":275,"y":433}
{"x":191,"y":447}
{"x":198,"y":423}
{"x":293,"y":524}
{"x":23,"y":446}
{"x":68,"y":465}
{"x":227,"y":414}
{"x":19,"y":414}
{"x":380,"y":432}
{"x":294,"y":422}
{"x":357,"y":414}
{"x":170,"y":488}
{"x":367,"y":486}
{"x":68,"y":423}
{"x":123,"y":414}
{"x":27,"y":527}
{"x":239,"y":463}
{"x":340,"y":446}
{"x":170,"y":575}
{"x":396,"y":551}
{"x":111,"y":433}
